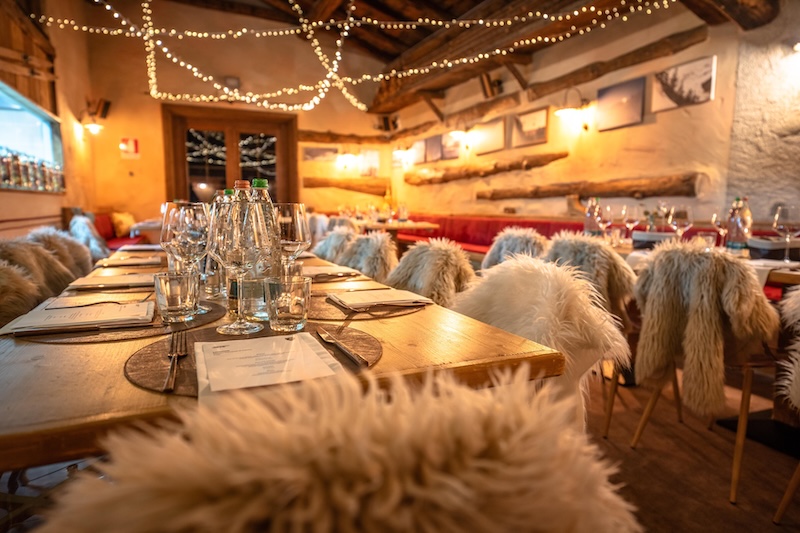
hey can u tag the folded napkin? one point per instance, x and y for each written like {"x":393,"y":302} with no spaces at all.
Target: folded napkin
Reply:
{"x":329,"y":271}
{"x":764,"y":266}
{"x":67,"y":319}
{"x":359,"y":300}
{"x":139,"y":247}
{"x":128,"y":261}
{"x":121,"y":281}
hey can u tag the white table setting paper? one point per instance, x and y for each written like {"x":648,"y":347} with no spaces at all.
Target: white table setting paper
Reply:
{"x":139,"y":247}
{"x":237,"y":364}
{"x":48,"y":318}
{"x":127,"y":261}
{"x":120,"y":281}
{"x":356,"y":300}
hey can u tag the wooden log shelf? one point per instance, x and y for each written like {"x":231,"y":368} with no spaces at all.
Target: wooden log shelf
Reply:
{"x":673,"y":185}
{"x":374,"y":186}
{"x":437,"y":176}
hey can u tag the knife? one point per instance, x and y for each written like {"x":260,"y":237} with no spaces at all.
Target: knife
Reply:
{"x":349,"y":352}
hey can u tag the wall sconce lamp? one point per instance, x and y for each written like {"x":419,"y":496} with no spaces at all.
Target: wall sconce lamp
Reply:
{"x":94,"y":110}
{"x":574,"y":114}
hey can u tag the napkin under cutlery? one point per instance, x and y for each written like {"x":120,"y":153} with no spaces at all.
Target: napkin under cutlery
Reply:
{"x":361,"y":300}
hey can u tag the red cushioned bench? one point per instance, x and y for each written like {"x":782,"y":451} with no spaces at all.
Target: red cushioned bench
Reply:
{"x":105,"y":227}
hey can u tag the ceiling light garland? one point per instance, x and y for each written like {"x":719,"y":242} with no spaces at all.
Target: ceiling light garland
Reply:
{"x":333,"y":79}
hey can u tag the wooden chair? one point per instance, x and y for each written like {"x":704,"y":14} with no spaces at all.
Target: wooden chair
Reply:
{"x":437,"y":269}
{"x":72,"y":254}
{"x":374,"y":254}
{"x":692,"y":301}
{"x":334,"y":243}
{"x":49,"y":275}
{"x":514,"y":240}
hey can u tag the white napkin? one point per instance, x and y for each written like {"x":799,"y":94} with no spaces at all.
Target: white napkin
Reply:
{"x":127,"y":261}
{"x":357,"y":300}
{"x":121,"y":281}
{"x":139,"y":247}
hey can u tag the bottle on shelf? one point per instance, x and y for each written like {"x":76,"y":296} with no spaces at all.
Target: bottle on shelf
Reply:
{"x":737,"y":237}
{"x":590,"y":225}
{"x":747,"y":217}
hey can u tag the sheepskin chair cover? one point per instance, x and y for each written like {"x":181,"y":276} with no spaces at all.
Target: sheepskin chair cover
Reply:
{"x":687,"y":296}
{"x":437,"y":269}
{"x":49,"y":275}
{"x":334,"y":244}
{"x":555,"y":306}
{"x":18,"y":294}
{"x":514,"y":240}
{"x":788,"y":384}
{"x":374,"y":254}
{"x":329,"y":456}
{"x":603,"y":266}
{"x":85,"y":233}
{"x":318,"y":225}
{"x":72,"y":254}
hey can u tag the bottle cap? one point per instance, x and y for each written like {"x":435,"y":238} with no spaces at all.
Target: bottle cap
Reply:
{"x":228,"y":192}
{"x":241,"y":184}
{"x":260,"y":183}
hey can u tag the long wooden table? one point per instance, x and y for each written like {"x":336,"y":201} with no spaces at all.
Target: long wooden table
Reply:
{"x":57,"y":400}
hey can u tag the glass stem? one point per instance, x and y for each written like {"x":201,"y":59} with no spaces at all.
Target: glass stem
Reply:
{"x":240,"y":293}
{"x":786,"y":254}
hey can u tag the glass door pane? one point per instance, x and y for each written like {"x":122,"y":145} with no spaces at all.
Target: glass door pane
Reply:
{"x":257,"y":158}
{"x":206,"y":158}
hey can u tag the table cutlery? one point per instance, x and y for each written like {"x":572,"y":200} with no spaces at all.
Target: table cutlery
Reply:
{"x":349,"y":352}
{"x":177,"y":349}
{"x":52,"y":307}
{"x":335,"y":276}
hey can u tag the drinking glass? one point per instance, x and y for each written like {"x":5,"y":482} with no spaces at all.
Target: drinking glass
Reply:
{"x":168,"y":210}
{"x":605,"y":216}
{"x":184,"y":232}
{"x":720,"y":223}
{"x":680,"y":218}
{"x":631,"y":216}
{"x":295,"y":234}
{"x":787,"y":224}
{"x":240,"y":239}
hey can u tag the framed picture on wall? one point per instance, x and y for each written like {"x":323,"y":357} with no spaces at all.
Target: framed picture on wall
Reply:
{"x":620,"y":105}
{"x":488,"y":137}
{"x":320,"y":153}
{"x":451,"y":145}
{"x":370,"y":162}
{"x":433,"y":149}
{"x":529,"y":128}
{"x":687,"y":84}
{"x":418,"y":151}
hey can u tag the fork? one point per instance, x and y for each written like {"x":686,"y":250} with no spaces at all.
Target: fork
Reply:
{"x":177,"y":349}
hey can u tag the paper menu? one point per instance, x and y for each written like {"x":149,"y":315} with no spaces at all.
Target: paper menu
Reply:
{"x":360,"y":299}
{"x":261,"y":361}
{"x":123,"y":280}
{"x":128,"y":261}
{"x":108,"y":314}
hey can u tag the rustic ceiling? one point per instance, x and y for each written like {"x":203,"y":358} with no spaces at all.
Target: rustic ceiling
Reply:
{"x":404,"y":49}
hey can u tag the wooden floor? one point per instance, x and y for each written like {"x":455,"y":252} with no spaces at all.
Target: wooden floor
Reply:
{"x":679,"y":475}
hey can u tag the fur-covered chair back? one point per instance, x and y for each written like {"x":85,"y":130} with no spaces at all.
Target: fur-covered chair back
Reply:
{"x":437,"y":269}
{"x":83,"y":230}
{"x":318,"y":225}
{"x":693,"y":303}
{"x":336,"y":455}
{"x":604,"y":267}
{"x":18,"y":293}
{"x":514,"y":240}
{"x":788,"y":385}
{"x":552,"y":305}
{"x":334,"y":244}
{"x":341,"y":221}
{"x":72,"y":254}
{"x":374,"y":254}
{"x":49,"y":275}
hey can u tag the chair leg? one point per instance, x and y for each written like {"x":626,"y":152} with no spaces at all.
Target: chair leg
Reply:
{"x":788,"y":495}
{"x":600,"y":372}
{"x":610,"y":401}
{"x":677,"y":391}
{"x":648,"y":410}
{"x":741,"y":432}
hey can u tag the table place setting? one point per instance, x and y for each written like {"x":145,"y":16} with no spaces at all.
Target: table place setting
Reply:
{"x":366,"y":300}
{"x":121,"y":281}
{"x":128,"y":261}
{"x":139,"y":247}
{"x":327,"y":273}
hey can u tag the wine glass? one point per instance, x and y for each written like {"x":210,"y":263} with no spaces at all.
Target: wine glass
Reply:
{"x":680,"y":218}
{"x":240,"y":240}
{"x":605,"y":216}
{"x":787,"y":224}
{"x":186,"y":233}
{"x":720,"y":223}
{"x":168,"y":213}
{"x":631,"y":216}
{"x":295,"y":234}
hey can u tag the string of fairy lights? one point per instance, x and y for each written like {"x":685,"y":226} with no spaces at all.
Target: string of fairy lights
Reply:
{"x":154,"y":44}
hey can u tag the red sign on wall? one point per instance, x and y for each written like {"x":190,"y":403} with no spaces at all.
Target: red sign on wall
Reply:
{"x":129,"y":148}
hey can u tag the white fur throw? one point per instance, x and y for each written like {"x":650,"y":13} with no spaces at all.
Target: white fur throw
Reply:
{"x":318,"y":225}
{"x":603,"y":266}
{"x":74,"y":255}
{"x":83,"y":230}
{"x":789,"y":383}
{"x":437,"y":269}
{"x":514,"y":240}
{"x":18,"y":294}
{"x":334,"y":244}
{"x":373,"y":254}
{"x":328,"y":456}
{"x":552,"y":305}
{"x":687,"y":296}
{"x":49,"y":275}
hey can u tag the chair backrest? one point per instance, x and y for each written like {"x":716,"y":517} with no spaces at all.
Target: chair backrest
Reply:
{"x":788,"y":384}
{"x":84,"y":231}
{"x":74,"y":255}
{"x":49,"y":275}
{"x":339,"y":221}
{"x":691,"y":300}
{"x":602,"y":265}
{"x":553,"y":305}
{"x":18,"y":293}
{"x":437,"y":269}
{"x":334,"y":455}
{"x":334,"y":244}
{"x":374,"y":254}
{"x":318,"y":225}
{"x":514,"y":240}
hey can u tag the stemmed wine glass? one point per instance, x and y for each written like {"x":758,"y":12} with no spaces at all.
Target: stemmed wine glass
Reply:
{"x":168,"y":210}
{"x":631,"y":216}
{"x":720,"y":223}
{"x":605,"y":216}
{"x":240,"y":240}
{"x":680,"y":218}
{"x":295,"y":234}
{"x":184,"y":232}
{"x":787,"y":224}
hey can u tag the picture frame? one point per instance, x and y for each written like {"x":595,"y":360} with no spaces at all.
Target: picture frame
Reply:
{"x":529,"y":128}
{"x":690,"y":83}
{"x":621,"y":105}
{"x":451,"y":145}
{"x":433,"y":149}
{"x":489,"y":136}
{"x":325,"y":154}
{"x":418,"y":152}
{"x":370,"y":163}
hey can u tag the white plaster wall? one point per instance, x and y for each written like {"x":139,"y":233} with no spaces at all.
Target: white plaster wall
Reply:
{"x":765,"y":141}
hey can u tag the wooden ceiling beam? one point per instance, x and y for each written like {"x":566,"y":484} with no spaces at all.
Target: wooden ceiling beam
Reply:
{"x":228,"y":6}
{"x":323,"y":9}
{"x":413,"y":10}
{"x":380,"y":46}
{"x":747,"y":14}
{"x":282,"y":6}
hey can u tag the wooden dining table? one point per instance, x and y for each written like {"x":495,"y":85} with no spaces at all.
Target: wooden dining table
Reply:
{"x":57,"y":400}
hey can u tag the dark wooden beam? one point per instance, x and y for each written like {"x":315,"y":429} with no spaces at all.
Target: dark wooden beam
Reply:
{"x":446,"y":175}
{"x":229,"y":6}
{"x":366,"y":185}
{"x":523,"y":83}
{"x":341,"y":138}
{"x":323,"y":9}
{"x":436,"y":111}
{"x":282,"y":6}
{"x":466,"y":117}
{"x":747,"y":14}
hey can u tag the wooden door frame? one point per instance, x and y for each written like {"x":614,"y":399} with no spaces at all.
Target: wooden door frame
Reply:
{"x":175,"y":119}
